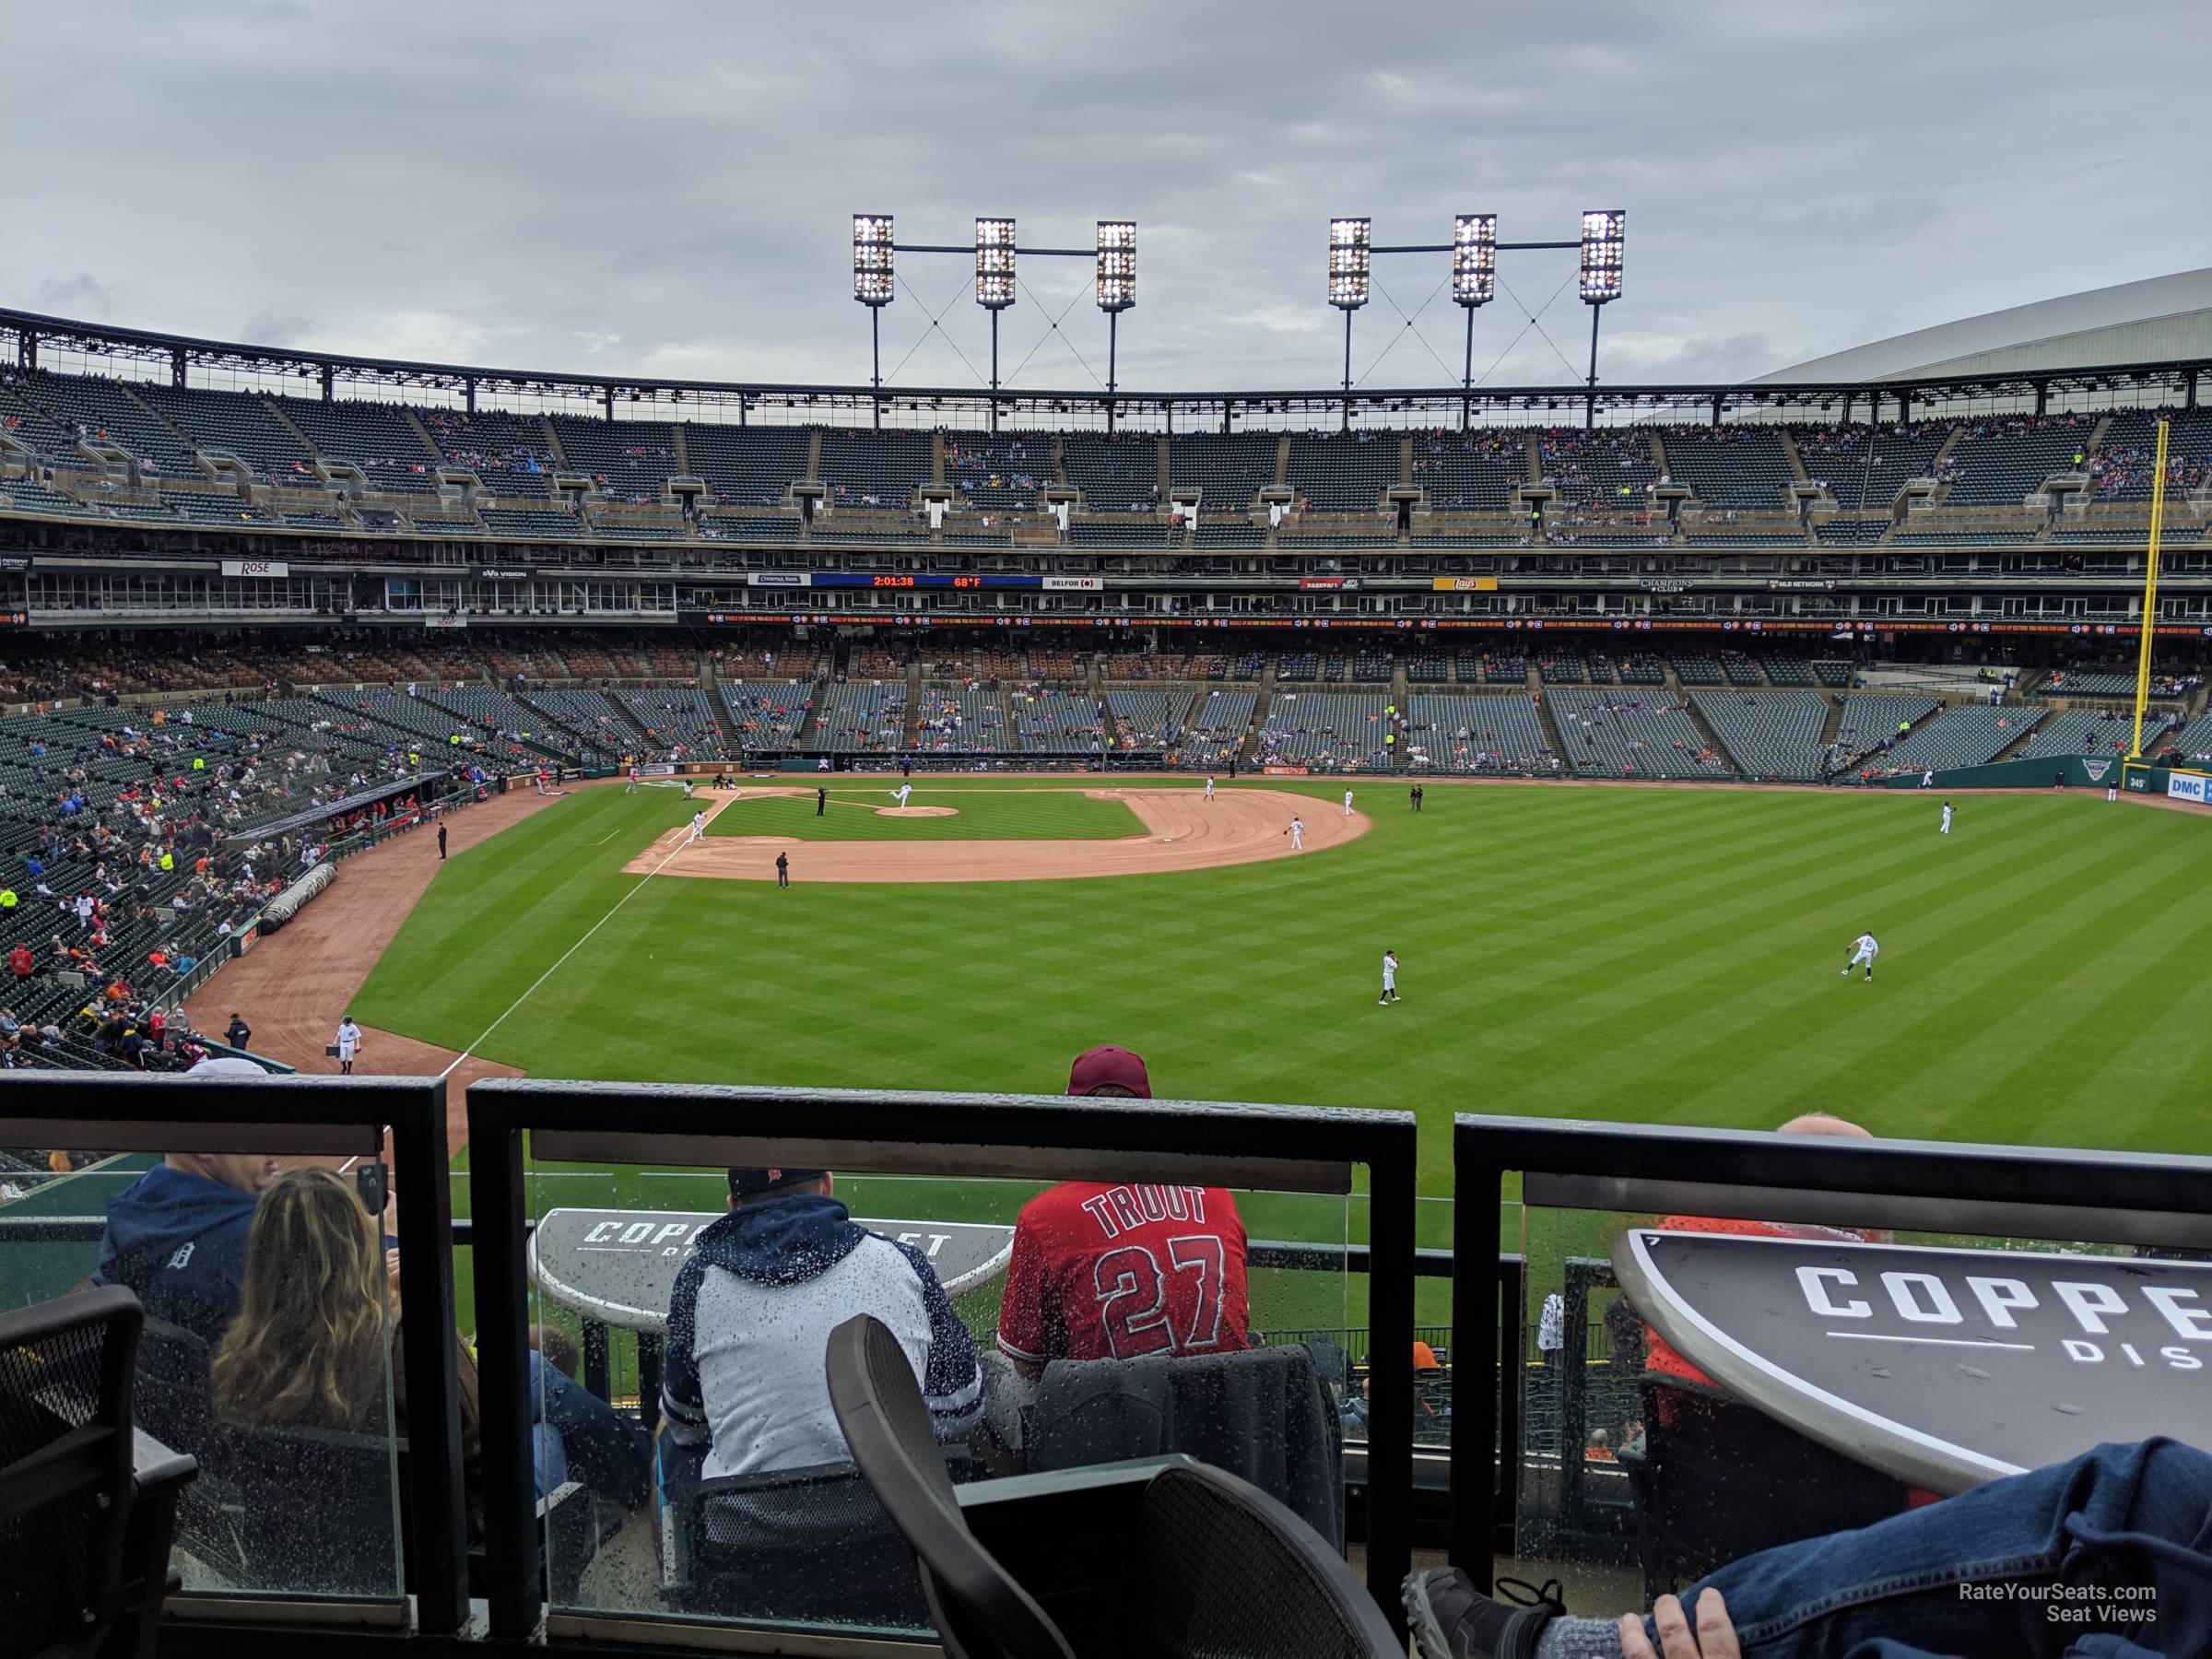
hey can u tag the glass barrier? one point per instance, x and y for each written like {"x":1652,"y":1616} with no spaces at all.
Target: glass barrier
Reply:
{"x":685,"y":1458}
{"x":272,"y":1299}
{"x":1941,"y":1359}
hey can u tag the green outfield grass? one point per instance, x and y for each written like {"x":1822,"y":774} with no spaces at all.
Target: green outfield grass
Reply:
{"x":1626,"y":953}
{"x":984,"y":812}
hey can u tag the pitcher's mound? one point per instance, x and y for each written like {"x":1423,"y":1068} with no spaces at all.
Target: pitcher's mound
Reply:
{"x":917,"y":812}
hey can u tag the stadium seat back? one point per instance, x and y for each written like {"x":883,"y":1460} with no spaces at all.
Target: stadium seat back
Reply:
{"x":803,"y":1545}
{"x":1227,"y":1569}
{"x":979,"y":1610}
{"x":65,"y":1452}
{"x":315,"y":1510}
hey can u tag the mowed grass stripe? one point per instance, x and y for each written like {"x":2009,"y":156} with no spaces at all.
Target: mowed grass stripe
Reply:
{"x":1634,"y":953}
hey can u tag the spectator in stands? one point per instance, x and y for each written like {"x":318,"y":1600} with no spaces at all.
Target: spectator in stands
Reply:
{"x":177,"y":1235}
{"x":1187,"y":1241}
{"x":2102,"y":1557}
{"x":750,"y":1317}
{"x":319,"y":1318}
{"x":21,"y":962}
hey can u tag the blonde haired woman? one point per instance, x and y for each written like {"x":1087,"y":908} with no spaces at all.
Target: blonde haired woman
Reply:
{"x":309,"y":1346}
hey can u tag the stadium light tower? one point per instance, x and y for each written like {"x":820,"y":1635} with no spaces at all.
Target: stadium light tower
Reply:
{"x":1474,"y":285}
{"x":1351,"y":243}
{"x":1605,"y":231}
{"x":874,"y":287}
{"x":994,"y":285}
{"x":1117,"y":283}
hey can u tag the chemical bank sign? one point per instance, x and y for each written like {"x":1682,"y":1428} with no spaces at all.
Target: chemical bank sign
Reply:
{"x":1946,"y":1368}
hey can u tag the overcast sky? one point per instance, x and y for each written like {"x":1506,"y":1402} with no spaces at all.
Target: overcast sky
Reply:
{"x":651,"y":188}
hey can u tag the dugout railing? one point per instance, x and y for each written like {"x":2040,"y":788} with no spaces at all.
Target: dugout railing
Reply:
{"x":1580,"y":1185}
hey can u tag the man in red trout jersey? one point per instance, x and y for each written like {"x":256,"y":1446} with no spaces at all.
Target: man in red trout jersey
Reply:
{"x":1116,"y":1271}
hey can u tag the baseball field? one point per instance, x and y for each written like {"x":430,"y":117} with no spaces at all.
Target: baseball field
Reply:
{"x":1668,"y":955}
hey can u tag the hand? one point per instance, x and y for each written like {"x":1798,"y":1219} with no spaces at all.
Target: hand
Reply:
{"x":1714,"y":1637}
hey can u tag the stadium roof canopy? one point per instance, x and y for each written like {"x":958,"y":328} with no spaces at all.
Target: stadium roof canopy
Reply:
{"x":2155,"y":320}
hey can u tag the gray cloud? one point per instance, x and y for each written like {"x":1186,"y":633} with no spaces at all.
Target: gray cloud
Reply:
{"x":666,"y":187}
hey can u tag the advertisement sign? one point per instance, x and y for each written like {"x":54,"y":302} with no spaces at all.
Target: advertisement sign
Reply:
{"x":620,"y":1266}
{"x":489,"y":574}
{"x":445,"y":621}
{"x":1074,"y":584}
{"x":1944,"y":1367}
{"x":1283,"y":771}
{"x":2190,"y":786}
{"x":1327,"y":585}
{"x":783,"y":579}
{"x":1464,"y":585}
{"x":256,"y":566}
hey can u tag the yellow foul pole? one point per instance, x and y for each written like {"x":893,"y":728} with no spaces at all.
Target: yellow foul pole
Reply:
{"x":2150,"y":591}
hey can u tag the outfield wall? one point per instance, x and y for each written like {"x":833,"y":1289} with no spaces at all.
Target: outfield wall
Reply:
{"x":2082,"y":772}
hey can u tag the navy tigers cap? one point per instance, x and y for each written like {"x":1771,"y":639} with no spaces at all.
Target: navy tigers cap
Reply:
{"x":752,"y":1184}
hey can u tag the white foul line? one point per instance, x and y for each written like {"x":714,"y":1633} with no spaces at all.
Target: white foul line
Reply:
{"x":565,"y":955}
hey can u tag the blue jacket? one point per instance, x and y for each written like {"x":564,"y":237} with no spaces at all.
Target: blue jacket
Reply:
{"x":178,"y":1241}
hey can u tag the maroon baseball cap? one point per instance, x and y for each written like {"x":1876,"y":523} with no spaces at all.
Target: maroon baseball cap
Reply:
{"x":1104,"y":1066}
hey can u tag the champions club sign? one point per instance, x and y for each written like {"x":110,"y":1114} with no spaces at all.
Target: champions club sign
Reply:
{"x":1945,"y":1368}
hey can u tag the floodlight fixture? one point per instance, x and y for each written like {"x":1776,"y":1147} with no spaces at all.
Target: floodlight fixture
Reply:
{"x":1351,"y":241}
{"x":1605,"y":230}
{"x":872,"y":277}
{"x":1474,"y":258}
{"x":1117,"y":264}
{"x":994,"y":263}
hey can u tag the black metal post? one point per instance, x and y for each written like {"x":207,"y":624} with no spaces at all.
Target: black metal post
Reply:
{"x":1466,"y":378}
{"x":1474,"y":1249}
{"x":876,"y":359}
{"x":435,"y":1489}
{"x":1389,"y":1374}
{"x":514,"y":1572}
{"x":1590,"y":398}
{"x":1348,"y":367}
{"x":994,"y":370}
{"x":1513,"y":1349}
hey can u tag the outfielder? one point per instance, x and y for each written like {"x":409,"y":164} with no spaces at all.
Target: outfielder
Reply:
{"x":1947,"y":819}
{"x":1863,"y":949}
{"x":1347,"y":803}
{"x":1390,"y":978}
{"x":1209,"y":787}
{"x":1297,"y":833}
{"x":698,"y":826}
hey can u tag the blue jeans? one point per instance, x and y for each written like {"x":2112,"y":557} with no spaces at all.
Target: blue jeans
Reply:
{"x":2110,"y":1554}
{"x":610,"y":1454}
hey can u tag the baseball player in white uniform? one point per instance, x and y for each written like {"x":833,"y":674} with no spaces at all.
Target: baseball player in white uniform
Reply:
{"x":1863,"y":949}
{"x":348,"y":1044}
{"x":698,"y":826}
{"x":1297,"y":833}
{"x":1390,"y":978}
{"x":1347,"y":803}
{"x":1947,"y":819}
{"x":899,"y":794}
{"x":1209,"y":787}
